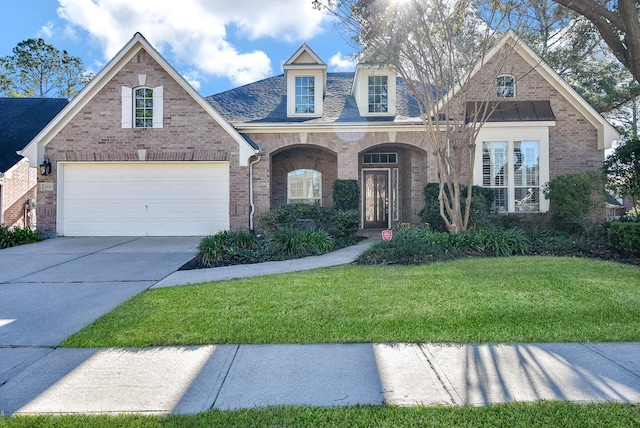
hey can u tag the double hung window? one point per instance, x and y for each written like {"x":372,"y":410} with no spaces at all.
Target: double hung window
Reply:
{"x":143,"y":109}
{"x":305,"y":94}
{"x":378,"y":94}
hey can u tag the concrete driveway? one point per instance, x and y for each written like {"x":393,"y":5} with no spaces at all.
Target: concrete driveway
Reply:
{"x":54,"y":288}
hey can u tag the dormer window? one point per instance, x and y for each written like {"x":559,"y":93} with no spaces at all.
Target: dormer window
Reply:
{"x":506,"y":86}
{"x":143,"y":111}
{"x":378,"y":94}
{"x":374,"y":90}
{"x":305,"y":94}
{"x":306,"y":76}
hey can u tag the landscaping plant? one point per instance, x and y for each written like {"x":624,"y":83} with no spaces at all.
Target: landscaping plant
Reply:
{"x":18,"y":236}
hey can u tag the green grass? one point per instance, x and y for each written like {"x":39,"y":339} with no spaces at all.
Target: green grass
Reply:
{"x":474,"y":300}
{"x":542,"y":414}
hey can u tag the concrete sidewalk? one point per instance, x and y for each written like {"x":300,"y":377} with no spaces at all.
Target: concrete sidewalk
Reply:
{"x":38,"y":309}
{"x":334,"y":258}
{"x":189,"y":380}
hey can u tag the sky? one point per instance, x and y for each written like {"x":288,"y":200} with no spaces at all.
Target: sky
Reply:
{"x":215,"y":44}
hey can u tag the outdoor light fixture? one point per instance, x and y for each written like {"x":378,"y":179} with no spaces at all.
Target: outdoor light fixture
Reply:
{"x":45,"y":167}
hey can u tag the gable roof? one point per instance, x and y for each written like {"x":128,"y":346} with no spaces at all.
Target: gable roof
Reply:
{"x":265,"y":102}
{"x":20,"y":120}
{"x":304,"y":56}
{"x":606,"y":133}
{"x":34,"y":151}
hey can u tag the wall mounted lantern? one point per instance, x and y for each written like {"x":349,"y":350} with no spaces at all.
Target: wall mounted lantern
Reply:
{"x":45,"y":167}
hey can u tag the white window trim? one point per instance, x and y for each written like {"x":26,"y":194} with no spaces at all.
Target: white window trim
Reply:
{"x":361,"y":90}
{"x":291,"y":91}
{"x":510,"y":132}
{"x":127,"y":100}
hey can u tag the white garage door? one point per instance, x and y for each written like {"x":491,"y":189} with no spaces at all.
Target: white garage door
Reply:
{"x":143,"y":199}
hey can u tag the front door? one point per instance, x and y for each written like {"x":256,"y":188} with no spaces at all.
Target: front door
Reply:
{"x":376,"y":199}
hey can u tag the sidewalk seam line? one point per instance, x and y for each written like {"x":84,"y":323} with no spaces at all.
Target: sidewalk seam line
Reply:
{"x":224,"y":378}
{"x":606,"y":357}
{"x":452,"y":394}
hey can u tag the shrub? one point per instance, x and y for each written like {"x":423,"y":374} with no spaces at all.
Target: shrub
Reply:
{"x":625,"y":237}
{"x":18,"y":236}
{"x":577,"y":202}
{"x":481,"y":202}
{"x":292,"y":241}
{"x":333,"y":221}
{"x":344,"y":223}
{"x":228,"y":247}
{"x":412,"y":245}
{"x":506,"y":242}
{"x":346,"y":195}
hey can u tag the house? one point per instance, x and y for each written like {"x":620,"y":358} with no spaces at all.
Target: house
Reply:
{"x":20,"y":120}
{"x":139,"y":152}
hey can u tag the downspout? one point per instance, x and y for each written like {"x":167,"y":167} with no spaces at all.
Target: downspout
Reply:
{"x":251,"y":204}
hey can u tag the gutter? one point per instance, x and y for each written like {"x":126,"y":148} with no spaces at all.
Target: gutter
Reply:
{"x":251,"y":204}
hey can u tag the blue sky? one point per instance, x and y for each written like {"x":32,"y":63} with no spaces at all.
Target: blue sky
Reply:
{"x":215,"y":44}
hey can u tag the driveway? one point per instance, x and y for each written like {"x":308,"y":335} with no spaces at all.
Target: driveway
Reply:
{"x":54,"y":288}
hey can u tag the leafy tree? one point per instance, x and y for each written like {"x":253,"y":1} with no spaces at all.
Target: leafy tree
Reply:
{"x":574,"y":48}
{"x":38,"y":69}
{"x":618,"y":22}
{"x":434,"y":46}
{"x":623,"y":169}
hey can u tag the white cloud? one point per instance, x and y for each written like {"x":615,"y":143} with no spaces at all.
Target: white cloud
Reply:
{"x":195,"y":31}
{"x":193,"y":77}
{"x":341,"y":63}
{"x":46,"y":31}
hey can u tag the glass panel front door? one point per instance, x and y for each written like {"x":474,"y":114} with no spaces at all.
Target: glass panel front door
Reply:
{"x":376,"y":199}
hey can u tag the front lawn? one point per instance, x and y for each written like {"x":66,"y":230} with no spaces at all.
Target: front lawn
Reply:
{"x":472,"y":300}
{"x":543,"y":414}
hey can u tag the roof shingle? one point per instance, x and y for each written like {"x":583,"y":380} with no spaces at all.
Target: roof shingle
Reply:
{"x":21,"y":119}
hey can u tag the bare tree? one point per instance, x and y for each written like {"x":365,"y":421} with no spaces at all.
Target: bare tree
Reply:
{"x":436,"y":47}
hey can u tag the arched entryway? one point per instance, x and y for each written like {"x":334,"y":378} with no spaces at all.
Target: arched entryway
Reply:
{"x":303,"y":174}
{"x":392,"y":178}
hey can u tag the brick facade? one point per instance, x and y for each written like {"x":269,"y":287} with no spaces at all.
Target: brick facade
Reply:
{"x":189,"y":133}
{"x":339,"y":156}
{"x":573,"y":145}
{"x":18,"y":187}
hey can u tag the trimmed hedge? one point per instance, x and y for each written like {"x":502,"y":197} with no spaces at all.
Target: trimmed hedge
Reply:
{"x":336,"y":223}
{"x":625,"y":237}
{"x":346,"y":195}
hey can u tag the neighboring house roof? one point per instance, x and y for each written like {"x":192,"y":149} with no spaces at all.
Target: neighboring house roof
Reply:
{"x":20,"y":120}
{"x":265,"y":101}
{"x":34,"y":151}
{"x":513,"y":111}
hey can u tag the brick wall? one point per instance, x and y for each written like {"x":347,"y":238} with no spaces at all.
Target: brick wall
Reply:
{"x":302,"y":158}
{"x":573,"y":144}
{"x":19,"y":185}
{"x":189,"y":133}
{"x":338,"y":156}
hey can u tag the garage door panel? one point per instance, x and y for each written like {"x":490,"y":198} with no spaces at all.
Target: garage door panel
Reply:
{"x":144,"y":199}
